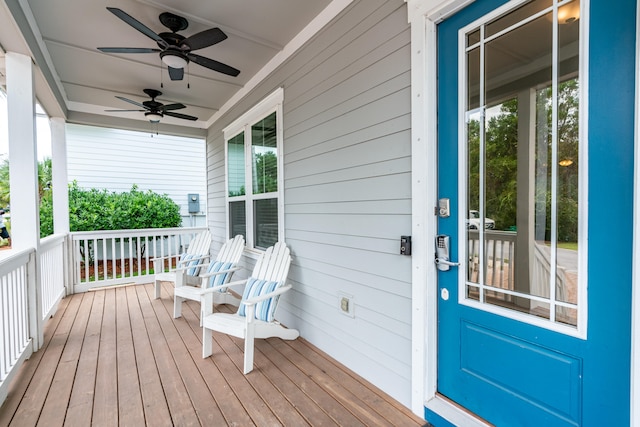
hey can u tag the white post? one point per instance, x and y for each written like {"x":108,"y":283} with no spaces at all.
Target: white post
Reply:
{"x":60,"y":192}
{"x":23,"y":166}
{"x":59,"y":183}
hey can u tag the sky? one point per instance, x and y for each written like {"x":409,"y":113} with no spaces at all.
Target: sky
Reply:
{"x":42,"y":128}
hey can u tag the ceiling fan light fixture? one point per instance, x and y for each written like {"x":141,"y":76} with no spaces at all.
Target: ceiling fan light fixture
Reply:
{"x":153,"y":117}
{"x":174,"y":59}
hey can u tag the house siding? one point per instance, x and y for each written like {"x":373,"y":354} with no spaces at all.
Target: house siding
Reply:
{"x":347,"y":189}
{"x":116,"y":159}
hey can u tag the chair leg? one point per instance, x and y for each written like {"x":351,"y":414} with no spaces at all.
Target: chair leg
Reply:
{"x":177,"y":306}
{"x":158,"y":287}
{"x":207,"y":343}
{"x":248,"y":348}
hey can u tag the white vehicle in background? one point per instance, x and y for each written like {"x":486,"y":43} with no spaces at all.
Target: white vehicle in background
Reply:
{"x":473,"y":223}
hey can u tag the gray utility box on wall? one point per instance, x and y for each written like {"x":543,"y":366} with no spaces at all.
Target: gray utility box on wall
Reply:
{"x":194,"y":203}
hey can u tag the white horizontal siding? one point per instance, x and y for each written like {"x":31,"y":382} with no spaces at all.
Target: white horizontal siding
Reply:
{"x":116,"y":159}
{"x":347,"y":195}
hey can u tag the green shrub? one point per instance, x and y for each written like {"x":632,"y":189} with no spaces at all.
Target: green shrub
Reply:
{"x":94,"y":209}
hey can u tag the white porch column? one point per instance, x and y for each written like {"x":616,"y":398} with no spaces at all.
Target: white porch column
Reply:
{"x":23,"y":170}
{"x":59,"y":176}
{"x":60,"y":193}
{"x":21,"y":101}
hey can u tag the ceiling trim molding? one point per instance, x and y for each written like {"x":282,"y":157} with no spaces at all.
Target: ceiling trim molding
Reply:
{"x":23,"y":18}
{"x":323,"y":18}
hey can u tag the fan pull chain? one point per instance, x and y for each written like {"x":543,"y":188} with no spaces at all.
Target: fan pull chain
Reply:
{"x":188,"y":76}
{"x":161,"y":71}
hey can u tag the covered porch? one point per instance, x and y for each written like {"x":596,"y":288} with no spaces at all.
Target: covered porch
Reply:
{"x":117,"y":357}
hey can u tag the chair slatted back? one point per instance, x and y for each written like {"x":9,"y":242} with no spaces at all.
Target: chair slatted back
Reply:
{"x":232,"y":250}
{"x":200,"y":244}
{"x":274,"y":263}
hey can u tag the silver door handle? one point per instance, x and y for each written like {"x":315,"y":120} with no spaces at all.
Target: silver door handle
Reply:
{"x":445,"y":262}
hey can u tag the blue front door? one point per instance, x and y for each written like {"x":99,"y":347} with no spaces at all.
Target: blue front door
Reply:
{"x":535,"y":154}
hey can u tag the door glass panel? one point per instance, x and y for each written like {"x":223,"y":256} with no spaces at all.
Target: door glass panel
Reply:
{"x":522,"y":158}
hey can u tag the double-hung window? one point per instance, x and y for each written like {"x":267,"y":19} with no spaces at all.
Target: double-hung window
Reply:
{"x":253,"y":145}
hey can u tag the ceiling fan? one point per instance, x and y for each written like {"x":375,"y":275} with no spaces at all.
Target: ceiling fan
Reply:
{"x":154,"y":110}
{"x":175,"y":50}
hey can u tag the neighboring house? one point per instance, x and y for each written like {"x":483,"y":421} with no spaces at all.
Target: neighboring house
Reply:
{"x":346,"y":148}
{"x":115,"y":159}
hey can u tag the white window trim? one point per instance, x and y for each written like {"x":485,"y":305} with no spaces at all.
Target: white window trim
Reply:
{"x":271,"y":103}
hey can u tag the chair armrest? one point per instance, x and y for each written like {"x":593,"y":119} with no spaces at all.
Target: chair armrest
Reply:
{"x":205,"y":275}
{"x":257,"y":299}
{"x":226,"y":285}
{"x":161,"y":258}
{"x":184,"y":261}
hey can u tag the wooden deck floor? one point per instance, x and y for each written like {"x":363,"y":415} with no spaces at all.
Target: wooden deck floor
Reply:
{"x":117,"y":357}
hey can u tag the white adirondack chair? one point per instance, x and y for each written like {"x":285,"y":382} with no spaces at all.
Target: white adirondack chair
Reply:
{"x":217,"y":272}
{"x":196,"y":254}
{"x":255,"y":316}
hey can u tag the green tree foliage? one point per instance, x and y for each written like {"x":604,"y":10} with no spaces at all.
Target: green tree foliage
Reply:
{"x":501,"y":162}
{"x":266,"y":174}
{"x":94,"y":209}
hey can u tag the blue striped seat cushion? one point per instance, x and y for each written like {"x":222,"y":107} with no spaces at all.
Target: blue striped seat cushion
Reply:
{"x":218,"y":279}
{"x":265,"y":310}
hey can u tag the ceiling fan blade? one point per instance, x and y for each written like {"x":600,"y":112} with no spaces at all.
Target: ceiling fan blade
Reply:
{"x":132,"y":102}
{"x":136,"y":24}
{"x":180,"y":116}
{"x":128,"y":50}
{"x":176,"y":106}
{"x":205,"y":38}
{"x":176,"y":73}
{"x":213,"y":65}
{"x":120,"y":111}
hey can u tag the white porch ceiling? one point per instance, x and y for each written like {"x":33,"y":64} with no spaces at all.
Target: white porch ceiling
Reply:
{"x":68,"y":33}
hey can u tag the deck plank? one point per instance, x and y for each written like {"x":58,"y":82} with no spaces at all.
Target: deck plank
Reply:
{"x":228,"y":402}
{"x":117,"y":357}
{"x":105,"y":403}
{"x":19,"y":386}
{"x":180,"y":407}
{"x":36,"y":394}
{"x":198,"y":392}
{"x":80,"y":406}
{"x":156,"y":411}
{"x":55,"y":407}
{"x":129,"y":391}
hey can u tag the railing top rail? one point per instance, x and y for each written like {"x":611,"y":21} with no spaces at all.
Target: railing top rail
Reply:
{"x":81,"y":235}
{"x":14,"y":259}
{"x":495,"y":235}
{"x":52,"y":241}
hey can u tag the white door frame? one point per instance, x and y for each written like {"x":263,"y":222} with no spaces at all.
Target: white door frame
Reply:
{"x":424,"y":15}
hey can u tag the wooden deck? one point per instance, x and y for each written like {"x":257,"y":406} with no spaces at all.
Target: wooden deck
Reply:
{"x":117,"y":357}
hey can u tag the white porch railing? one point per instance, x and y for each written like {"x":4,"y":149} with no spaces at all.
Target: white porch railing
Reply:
{"x":107,"y":258}
{"x":18,"y":314}
{"x":52,"y":273}
{"x":499,"y":257}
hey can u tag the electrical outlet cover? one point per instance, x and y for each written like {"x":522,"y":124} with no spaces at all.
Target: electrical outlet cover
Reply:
{"x":346,"y":304}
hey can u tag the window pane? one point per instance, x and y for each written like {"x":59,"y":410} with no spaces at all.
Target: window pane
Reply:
{"x":265,"y":214}
{"x":235,"y":162}
{"x":473,"y":196}
{"x":522,"y":171}
{"x":237,"y":219}
{"x":264,"y":155}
